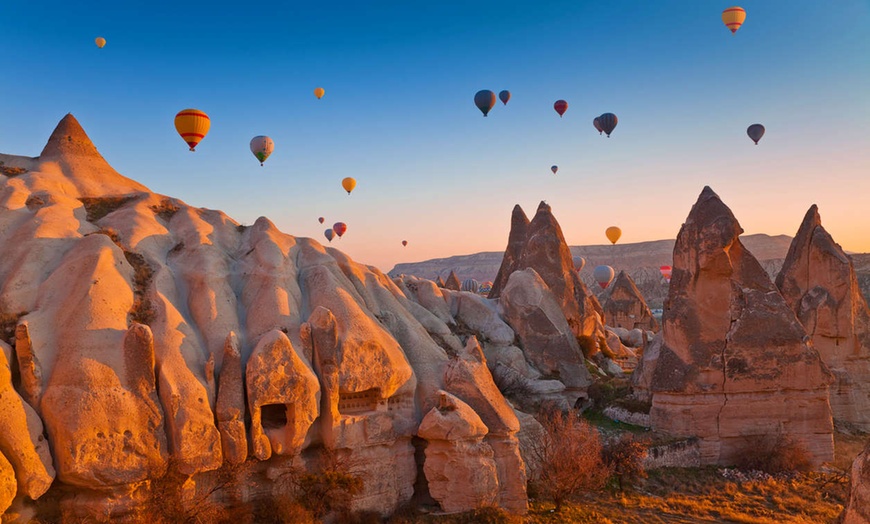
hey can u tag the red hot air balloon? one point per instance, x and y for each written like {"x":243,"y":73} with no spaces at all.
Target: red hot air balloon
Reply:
{"x":608,"y":122}
{"x":321,"y":219}
{"x":666,"y":272}
{"x":339,"y":228}
{"x":554,"y":169}
{"x":755,"y":132}
{"x":560,"y":106}
{"x":504,"y":96}
{"x":329,"y":234}
{"x":597,"y":123}
{"x":484,"y":100}
{"x":404,"y":242}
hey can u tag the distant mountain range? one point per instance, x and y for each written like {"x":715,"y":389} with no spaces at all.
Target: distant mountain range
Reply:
{"x":641,"y":260}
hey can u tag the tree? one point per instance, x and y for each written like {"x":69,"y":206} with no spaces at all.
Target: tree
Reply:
{"x":624,"y":456}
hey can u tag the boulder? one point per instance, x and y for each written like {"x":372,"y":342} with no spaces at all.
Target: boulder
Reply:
{"x":734,"y":362}
{"x":818,"y":282}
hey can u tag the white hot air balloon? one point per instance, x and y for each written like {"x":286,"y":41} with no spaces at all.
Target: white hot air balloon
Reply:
{"x":262,"y":147}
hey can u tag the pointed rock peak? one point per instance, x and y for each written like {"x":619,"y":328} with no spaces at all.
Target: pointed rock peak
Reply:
{"x":453,"y":282}
{"x":709,"y":210}
{"x":68,"y":139}
{"x":473,"y":352}
{"x":812,"y":218}
{"x":518,"y":215}
{"x":545,"y":207}
{"x":707,"y":193}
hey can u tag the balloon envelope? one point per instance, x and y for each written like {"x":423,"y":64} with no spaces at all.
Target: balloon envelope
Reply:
{"x":579,"y":262}
{"x":560,"y":106}
{"x":603,"y":275}
{"x":597,"y":123}
{"x":733,"y":18}
{"x":470,"y":285}
{"x":554,"y":169}
{"x":755,"y":132}
{"x":262,"y":147}
{"x":339,"y":228}
{"x":192,"y":125}
{"x":666,"y":272}
{"x":320,"y":219}
{"x":100,"y":41}
{"x":484,"y":100}
{"x":504,"y":96}
{"x":485,"y":288}
{"x":348,"y":184}
{"x":319,"y":92}
{"x":613,"y":233}
{"x":608,"y":122}
{"x":404,"y":242}
{"x":329,"y":234}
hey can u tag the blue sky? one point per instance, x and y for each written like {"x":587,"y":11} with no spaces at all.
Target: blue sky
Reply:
{"x":398,"y":112}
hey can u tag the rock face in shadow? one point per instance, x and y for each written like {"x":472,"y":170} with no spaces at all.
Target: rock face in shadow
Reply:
{"x":734,"y":362}
{"x":155,"y":340}
{"x":624,"y":306}
{"x":858,"y":508}
{"x":819,"y":284}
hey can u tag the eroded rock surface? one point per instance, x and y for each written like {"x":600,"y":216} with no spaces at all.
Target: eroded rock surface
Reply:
{"x":858,"y":508}
{"x":624,"y":306}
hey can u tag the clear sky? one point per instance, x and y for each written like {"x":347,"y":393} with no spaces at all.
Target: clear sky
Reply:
{"x":398,"y":114}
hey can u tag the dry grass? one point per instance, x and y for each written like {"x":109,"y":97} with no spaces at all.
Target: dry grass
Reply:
{"x":97,"y":208}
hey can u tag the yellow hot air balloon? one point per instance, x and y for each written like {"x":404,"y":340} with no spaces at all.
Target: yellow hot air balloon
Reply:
{"x":192,"y":125}
{"x":348,"y":184}
{"x":733,"y":18}
{"x":613,"y":233}
{"x":100,"y":41}
{"x":319,"y":92}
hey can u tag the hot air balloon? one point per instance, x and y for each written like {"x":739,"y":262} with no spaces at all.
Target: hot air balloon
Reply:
{"x":579,"y":262}
{"x":504,"y":96}
{"x":192,"y":125}
{"x":100,"y":41}
{"x":608,"y":122}
{"x":348,"y":184}
{"x":339,"y":228}
{"x":329,"y":234}
{"x":404,"y":242}
{"x":319,"y":92}
{"x":666,"y":272}
{"x":560,"y":106}
{"x":470,"y":285}
{"x":485,"y":288}
{"x":613,"y":233}
{"x":320,"y":219}
{"x":554,"y":169}
{"x":603,"y":275}
{"x":597,"y":123}
{"x":755,"y":132}
{"x":733,"y":18}
{"x":262,"y":147}
{"x":484,"y":100}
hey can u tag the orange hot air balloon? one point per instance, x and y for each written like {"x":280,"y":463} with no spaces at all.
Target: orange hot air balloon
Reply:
{"x":339,"y":228}
{"x":319,"y":92}
{"x":613,"y":233}
{"x":560,"y":106}
{"x":100,"y":41}
{"x":192,"y":125}
{"x":404,"y":242}
{"x":733,"y":18}
{"x":348,"y":184}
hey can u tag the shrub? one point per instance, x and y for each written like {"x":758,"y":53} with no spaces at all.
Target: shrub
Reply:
{"x":332,"y":487}
{"x":624,"y":456}
{"x":774,"y":454}
{"x":98,"y":207}
{"x":165,"y":209}
{"x":602,"y":393}
{"x":567,"y":458}
{"x":11,"y":171}
{"x":142,"y":310}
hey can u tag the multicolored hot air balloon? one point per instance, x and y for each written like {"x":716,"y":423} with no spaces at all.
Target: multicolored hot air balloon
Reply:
{"x":597,"y":123}
{"x":560,"y":106}
{"x":329,"y":234}
{"x":733,"y":18}
{"x":404,"y":242}
{"x":470,"y":285}
{"x":603,"y":275}
{"x":262,"y":146}
{"x":484,"y":100}
{"x":504,"y":96}
{"x":613,"y":233}
{"x":348,"y":184}
{"x":192,"y":125}
{"x":579,"y":262}
{"x":755,"y":132}
{"x":319,"y":92}
{"x":608,"y":122}
{"x":320,"y":219}
{"x":485,"y":288}
{"x":554,"y":169}
{"x":666,"y":272}
{"x":100,"y":41}
{"x":339,"y":228}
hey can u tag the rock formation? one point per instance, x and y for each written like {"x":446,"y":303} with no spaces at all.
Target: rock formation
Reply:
{"x":452,"y":283}
{"x":819,"y":284}
{"x":154,"y":336}
{"x":624,"y":307}
{"x":734,"y":362}
{"x":858,"y":507}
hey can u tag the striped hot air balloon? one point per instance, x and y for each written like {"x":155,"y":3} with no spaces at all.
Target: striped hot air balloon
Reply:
{"x":470,"y":285}
{"x":192,"y":125}
{"x":666,"y":272}
{"x":608,"y":122}
{"x":485,"y":288}
{"x":733,"y":18}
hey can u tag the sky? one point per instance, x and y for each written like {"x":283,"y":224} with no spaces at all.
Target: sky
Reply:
{"x":398,"y":113}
